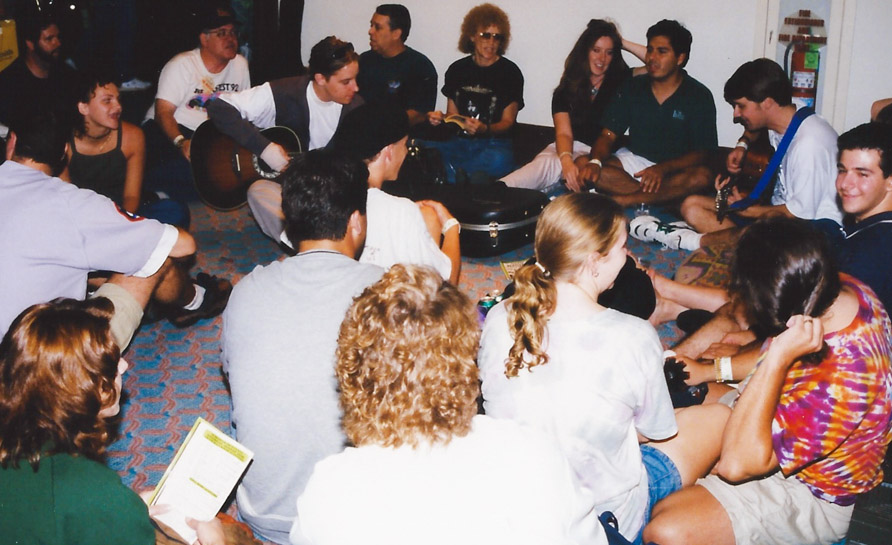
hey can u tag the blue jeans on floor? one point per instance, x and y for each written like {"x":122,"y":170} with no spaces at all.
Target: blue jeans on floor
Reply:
{"x":167,"y":170}
{"x":477,"y":157}
{"x":167,"y":211}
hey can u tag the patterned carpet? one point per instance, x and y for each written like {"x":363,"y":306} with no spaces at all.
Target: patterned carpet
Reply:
{"x":175,"y":374}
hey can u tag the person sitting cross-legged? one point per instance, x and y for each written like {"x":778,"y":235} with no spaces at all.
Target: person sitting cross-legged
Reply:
{"x":555,"y":358}
{"x":811,"y":424}
{"x":186,"y":85}
{"x":593,"y":72}
{"x":485,"y":91}
{"x":670,"y":117}
{"x":54,"y":234}
{"x":761,"y":95}
{"x":280,"y":332}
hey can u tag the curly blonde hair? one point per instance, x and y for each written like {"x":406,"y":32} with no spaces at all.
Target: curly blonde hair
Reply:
{"x":481,"y":17}
{"x":58,"y":364}
{"x":406,"y":361}
{"x":570,"y":229}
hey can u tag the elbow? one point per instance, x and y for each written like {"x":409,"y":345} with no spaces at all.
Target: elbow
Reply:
{"x":737,"y":469}
{"x":185,"y":245}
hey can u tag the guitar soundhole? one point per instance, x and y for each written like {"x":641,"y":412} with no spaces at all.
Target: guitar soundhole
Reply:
{"x":263,"y":169}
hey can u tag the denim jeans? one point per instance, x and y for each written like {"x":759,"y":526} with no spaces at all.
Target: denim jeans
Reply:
{"x":477,"y":157}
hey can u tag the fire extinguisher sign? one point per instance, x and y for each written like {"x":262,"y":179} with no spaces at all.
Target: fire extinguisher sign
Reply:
{"x":803,"y":80}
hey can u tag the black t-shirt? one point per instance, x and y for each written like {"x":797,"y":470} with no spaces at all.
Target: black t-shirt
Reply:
{"x":585,"y":116}
{"x":409,"y":78}
{"x":484,"y":91}
{"x":22,"y":94}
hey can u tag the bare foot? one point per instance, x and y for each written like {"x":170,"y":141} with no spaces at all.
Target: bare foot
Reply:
{"x":666,"y":310}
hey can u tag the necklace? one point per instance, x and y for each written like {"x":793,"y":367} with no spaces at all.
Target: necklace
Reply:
{"x":596,"y":86}
{"x":96,"y":139}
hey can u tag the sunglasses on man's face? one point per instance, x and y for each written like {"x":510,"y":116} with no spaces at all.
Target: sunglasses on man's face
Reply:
{"x":492,"y":36}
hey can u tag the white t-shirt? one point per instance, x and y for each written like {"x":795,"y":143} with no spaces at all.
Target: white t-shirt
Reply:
{"x":397,"y":234}
{"x":603,"y":383}
{"x":324,"y":119}
{"x":806,"y":179}
{"x":186,"y":83}
{"x":499,"y":484}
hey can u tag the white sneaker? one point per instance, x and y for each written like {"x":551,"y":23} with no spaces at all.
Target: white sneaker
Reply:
{"x":678,"y":235}
{"x":134,"y":84}
{"x":644,"y":228}
{"x":675,"y":235}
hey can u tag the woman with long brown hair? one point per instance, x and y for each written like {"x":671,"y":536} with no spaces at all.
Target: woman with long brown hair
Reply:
{"x":593,"y":72}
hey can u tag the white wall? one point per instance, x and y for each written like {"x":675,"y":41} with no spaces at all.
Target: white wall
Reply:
{"x":869,"y":69}
{"x":543,"y":32}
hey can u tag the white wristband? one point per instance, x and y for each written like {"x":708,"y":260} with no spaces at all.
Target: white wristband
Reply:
{"x":178,"y":141}
{"x":742,"y":144}
{"x":449,"y":224}
{"x":595,"y":161}
{"x":723,"y":373}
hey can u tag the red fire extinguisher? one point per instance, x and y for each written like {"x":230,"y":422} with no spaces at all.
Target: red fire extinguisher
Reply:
{"x":803,"y":73}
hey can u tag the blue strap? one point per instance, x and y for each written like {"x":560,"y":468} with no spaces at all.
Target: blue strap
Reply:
{"x":756,"y":194}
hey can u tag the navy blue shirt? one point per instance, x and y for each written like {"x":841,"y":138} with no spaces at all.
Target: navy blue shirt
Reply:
{"x":862,"y":250}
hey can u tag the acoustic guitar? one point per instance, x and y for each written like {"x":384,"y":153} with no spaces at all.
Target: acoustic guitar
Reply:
{"x":223,"y":169}
{"x":751,"y":169}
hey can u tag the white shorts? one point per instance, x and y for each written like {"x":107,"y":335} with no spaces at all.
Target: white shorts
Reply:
{"x":776,"y":510}
{"x":632,"y":163}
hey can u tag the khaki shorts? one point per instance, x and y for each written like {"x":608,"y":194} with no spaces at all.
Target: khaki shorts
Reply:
{"x":128,"y":312}
{"x":779,"y":511}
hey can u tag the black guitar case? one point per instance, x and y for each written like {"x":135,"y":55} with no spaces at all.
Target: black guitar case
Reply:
{"x":494,"y":218}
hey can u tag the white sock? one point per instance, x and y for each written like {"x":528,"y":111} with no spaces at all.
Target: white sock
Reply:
{"x":197,"y":300}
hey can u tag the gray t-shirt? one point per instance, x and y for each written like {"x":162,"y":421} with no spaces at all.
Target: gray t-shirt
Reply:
{"x":280,"y":333}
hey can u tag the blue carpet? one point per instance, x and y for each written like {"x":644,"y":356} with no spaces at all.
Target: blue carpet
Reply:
{"x":175,"y":374}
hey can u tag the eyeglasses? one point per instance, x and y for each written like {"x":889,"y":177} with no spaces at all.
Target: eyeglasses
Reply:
{"x":492,"y":36}
{"x":223,"y":33}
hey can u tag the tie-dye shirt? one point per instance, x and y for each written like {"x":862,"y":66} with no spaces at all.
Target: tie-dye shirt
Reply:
{"x":832,"y":424}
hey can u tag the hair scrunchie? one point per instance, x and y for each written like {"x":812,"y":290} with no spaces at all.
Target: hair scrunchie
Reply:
{"x":542,"y":268}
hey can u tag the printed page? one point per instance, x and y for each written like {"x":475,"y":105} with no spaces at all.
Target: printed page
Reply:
{"x":202,"y":475}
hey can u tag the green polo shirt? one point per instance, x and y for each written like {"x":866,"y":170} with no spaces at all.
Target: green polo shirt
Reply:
{"x":684,"y":122}
{"x":71,"y":500}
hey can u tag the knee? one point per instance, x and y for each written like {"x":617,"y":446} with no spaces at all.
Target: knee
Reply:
{"x":666,"y":530}
{"x":699,"y":177}
{"x":690,"y":208}
{"x":265,"y":196}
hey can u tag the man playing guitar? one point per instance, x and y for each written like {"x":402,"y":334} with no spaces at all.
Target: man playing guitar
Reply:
{"x":311,"y":105}
{"x":761,"y":96}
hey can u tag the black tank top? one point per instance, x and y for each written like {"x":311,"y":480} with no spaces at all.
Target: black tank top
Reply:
{"x":104,"y":173}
